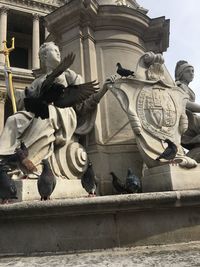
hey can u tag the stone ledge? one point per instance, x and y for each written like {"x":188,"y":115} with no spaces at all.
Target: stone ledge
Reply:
{"x":101,"y":205}
{"x":27,"y":189}
{"x":99,"y":223}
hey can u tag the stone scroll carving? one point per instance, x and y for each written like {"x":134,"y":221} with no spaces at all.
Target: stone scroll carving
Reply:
{"x":155,"y":107}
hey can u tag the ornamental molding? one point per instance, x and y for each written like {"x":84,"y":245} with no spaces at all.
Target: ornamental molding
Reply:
{"x":44,"y":6}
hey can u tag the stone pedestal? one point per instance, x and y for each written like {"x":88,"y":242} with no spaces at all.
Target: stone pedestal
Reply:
{"x":102,"y":34}
{"x":27,"y":189}
{"x":169,"y":177}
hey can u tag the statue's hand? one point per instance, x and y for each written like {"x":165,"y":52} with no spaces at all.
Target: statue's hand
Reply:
{"x":137,"y":130}
{"x":110,"y":81}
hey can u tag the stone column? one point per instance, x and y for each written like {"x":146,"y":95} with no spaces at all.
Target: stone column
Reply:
{"x":2,"y":102}
{"x":35,"y":42}
{"x":3,"y":30}
{"x":46,"y":32}
{"x":89,"y":50}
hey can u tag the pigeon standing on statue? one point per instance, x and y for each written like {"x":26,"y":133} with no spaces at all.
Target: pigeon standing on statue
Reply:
{"x":170,"y":152}
{"x":124,"y":72}
{"x":46,"y":181}
{"x":8,"y":188}
{"x":89,"y":180}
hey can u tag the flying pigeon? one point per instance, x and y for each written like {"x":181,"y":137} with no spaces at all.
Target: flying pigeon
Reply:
{"x":58,"y":94}
{"x":8,"y":188}
{"x":117,"y":184}
{"x":89,"y":180}
{"x":133,"y":183}
{"x":124,"y":72}
{"x":170,"y":152}
{"x":46,"y":181}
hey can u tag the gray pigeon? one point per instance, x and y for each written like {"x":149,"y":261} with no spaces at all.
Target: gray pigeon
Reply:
{"x":89,"y":181}
{"x":133,"y":183}
{"x":46,"y":181}
{"x":8,"y":188}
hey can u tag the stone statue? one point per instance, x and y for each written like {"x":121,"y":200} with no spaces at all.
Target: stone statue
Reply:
{"x":184,"y":74}
{"x":155,"y":107}
{"x":54,"y":138}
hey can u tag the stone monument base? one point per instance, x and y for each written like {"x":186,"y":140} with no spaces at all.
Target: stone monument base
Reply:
{"x":27,"y":189}
{"x":170,"y":178}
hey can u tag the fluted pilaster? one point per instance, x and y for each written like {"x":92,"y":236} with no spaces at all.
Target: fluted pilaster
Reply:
{"x":36,"y":41}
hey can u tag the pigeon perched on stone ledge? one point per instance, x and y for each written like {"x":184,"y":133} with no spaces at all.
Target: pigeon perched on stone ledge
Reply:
{"x":46,"y":181}
{"x":8,"y":188}
{"x":133,"y":183}
{"x":117,"y":184}
{"x":89,"y":180}
{"x":124,"y":72}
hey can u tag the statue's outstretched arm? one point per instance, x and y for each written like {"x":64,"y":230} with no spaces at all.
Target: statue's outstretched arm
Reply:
{"x":193,"y":107}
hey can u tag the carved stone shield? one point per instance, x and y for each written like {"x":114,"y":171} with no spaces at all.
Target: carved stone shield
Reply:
{"x":157,"y":111}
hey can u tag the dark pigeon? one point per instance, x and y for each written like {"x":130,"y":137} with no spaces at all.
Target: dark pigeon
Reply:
{"x":170,"y":152}
{"x":124,"y":72}
{"x":117,"y":184}
{"x":8,"y":188}
{"x":89,"y":180}
{"x":58,"y":94}
{"x":46,"y":181}
{"x":133,"y":183}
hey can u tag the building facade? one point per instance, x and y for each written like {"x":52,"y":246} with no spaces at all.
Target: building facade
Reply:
{"x":23,"y":20}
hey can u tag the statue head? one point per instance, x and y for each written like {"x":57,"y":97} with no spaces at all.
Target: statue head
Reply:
{"x":184,"y":72}
{"x":49,"y":55}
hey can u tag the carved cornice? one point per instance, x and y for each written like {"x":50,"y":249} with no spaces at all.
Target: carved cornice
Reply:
{"x":45,"y":6}
{"x":4,"y":9}
{"x":81,"y":15}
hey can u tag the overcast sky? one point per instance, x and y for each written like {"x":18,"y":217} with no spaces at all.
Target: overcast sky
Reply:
{"x":184,"y":40}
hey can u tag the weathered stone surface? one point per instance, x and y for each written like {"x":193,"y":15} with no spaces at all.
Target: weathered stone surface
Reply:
{"x":27,"y":189}
{"x":99,"y":223}
{"x":118,"y":34}
{"x":184,"y":254}
{"x":169,"y":177}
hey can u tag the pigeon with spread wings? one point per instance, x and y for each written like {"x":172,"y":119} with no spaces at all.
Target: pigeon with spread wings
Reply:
{"x":58,"y":94}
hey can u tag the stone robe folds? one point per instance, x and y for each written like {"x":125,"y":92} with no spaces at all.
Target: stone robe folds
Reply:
{"x":53,"y":137}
